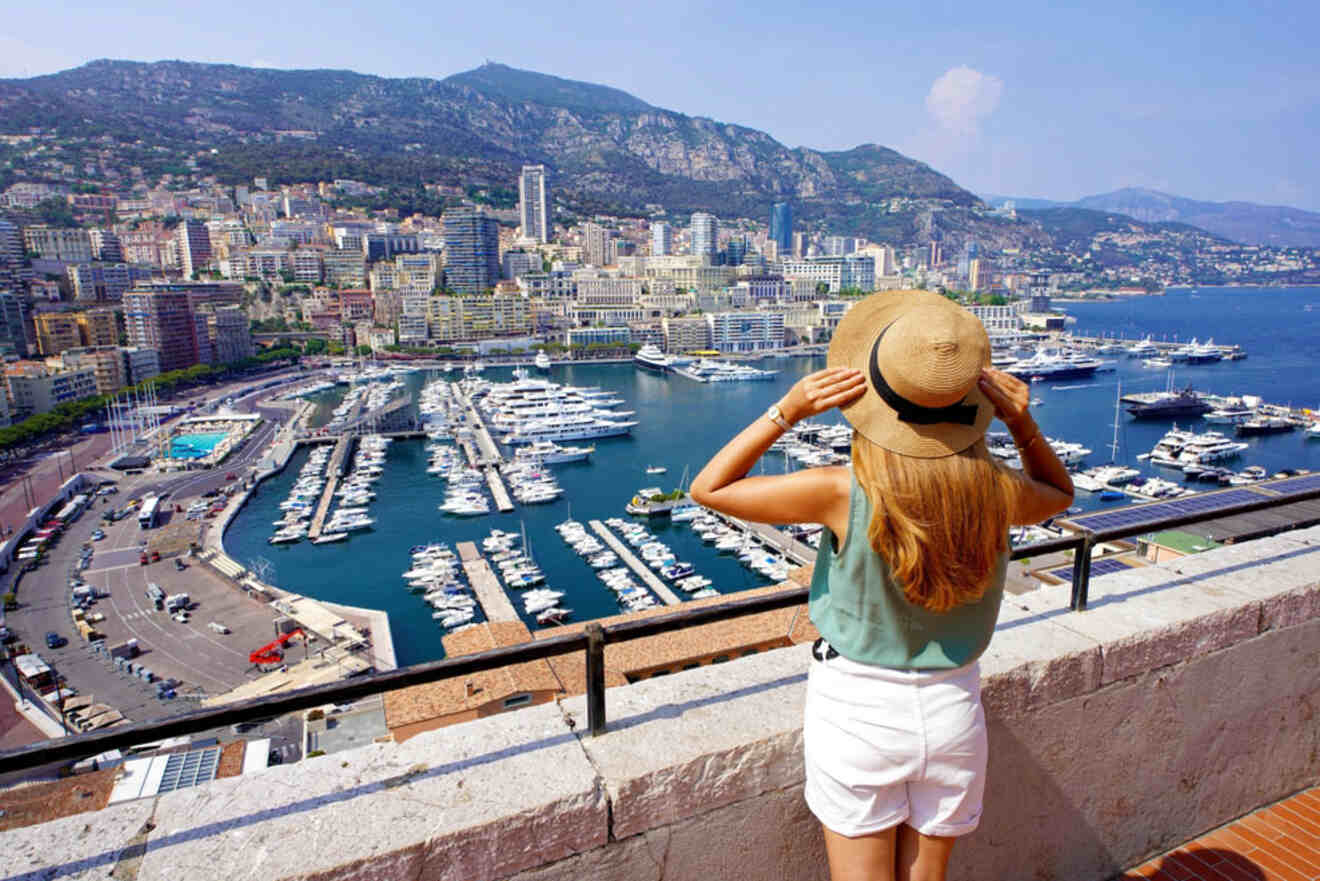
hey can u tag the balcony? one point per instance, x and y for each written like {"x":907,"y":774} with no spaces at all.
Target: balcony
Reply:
{"x":1182,"y":698}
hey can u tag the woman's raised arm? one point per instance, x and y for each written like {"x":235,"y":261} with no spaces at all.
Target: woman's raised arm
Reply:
{"x":812,"y":495}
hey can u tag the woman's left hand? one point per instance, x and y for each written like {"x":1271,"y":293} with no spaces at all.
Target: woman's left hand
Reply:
{"x":820,"y":391}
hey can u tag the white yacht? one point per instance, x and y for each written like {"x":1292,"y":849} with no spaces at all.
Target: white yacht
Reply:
{"x":541,"y":361}
{"x":649,"y":357}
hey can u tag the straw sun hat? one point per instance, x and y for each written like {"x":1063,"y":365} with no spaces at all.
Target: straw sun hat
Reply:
{"x":921,"y":355}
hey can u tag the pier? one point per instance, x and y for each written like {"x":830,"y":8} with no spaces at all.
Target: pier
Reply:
{"x":496,"y":484}
{"x":639,"y":569}
{"x":334,"y":470}
{"x":791,"y":548}
{"x":494,"y":601}
{"x":1164,"y":347}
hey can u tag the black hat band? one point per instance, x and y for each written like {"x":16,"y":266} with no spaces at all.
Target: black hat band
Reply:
{"x":909,"y":411}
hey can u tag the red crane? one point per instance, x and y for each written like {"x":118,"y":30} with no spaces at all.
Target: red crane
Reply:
{"x":273,"y":651}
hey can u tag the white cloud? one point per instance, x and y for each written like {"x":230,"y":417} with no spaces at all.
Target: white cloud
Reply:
{"x":962,"y":97}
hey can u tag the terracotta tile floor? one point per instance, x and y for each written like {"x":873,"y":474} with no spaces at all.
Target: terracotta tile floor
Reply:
{"x":1280,"y":842}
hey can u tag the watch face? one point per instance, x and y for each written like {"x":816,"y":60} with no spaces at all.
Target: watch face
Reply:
{"x":774,"y":413}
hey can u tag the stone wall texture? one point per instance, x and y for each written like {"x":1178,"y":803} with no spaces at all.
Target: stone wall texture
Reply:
{"x":1185,"y":696}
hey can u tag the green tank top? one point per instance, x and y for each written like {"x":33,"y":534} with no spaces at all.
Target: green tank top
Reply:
{"x":861,"y":611}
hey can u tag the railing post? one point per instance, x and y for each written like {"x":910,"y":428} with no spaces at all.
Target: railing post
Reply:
{"x":595,"y":678}
{"x":1081,"y":574}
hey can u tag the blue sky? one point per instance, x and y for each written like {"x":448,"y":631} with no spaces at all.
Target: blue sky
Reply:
{"x":1209,"y":101}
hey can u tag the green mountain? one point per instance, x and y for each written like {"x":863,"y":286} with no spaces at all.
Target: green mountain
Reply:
{"x":607,"y":150}
{"x":1245,"y":222}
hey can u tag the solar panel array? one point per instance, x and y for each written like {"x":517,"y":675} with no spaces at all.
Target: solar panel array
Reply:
{"x":1294,"y":484}
{"x":188,"y":769}
{"x":1098,"y":567}
{"x":1139,"y":514}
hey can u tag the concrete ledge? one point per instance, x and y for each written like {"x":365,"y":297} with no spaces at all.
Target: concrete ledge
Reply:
{"x":682,"y":745}
{"x":1184,"y":697}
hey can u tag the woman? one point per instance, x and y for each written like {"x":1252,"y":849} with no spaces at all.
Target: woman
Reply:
{"x":909,"y":574}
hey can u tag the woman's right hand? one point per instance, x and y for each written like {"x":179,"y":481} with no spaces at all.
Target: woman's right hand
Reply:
{"x":1009,"y":395}
{"x":820,"y":391}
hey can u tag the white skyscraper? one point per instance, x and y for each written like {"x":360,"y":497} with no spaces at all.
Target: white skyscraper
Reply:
{"x":662,"y":239}
{"x":532,"y":211}
{"x":705,"y":235}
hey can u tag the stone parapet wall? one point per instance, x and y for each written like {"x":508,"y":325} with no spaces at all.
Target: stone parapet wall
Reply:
{"x":1184,"y":697}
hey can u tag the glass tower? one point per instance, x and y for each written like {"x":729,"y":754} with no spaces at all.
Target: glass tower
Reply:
{"x":781,"y":227}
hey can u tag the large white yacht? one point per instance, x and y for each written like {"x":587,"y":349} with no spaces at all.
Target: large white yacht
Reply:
{"x":649,"y":357}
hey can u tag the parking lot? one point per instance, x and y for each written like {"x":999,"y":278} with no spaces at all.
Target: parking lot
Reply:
{"x":191,"y":652}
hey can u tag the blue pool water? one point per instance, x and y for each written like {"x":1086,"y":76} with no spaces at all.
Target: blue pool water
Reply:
{"x":195,"y":446}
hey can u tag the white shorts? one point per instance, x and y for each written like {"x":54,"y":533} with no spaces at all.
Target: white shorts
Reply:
{"x":887,"y":746}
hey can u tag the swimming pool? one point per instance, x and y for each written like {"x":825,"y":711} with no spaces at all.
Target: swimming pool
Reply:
{"x":195,"y":446}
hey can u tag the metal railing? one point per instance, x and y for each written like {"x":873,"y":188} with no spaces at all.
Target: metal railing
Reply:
{"x":592,"y":641}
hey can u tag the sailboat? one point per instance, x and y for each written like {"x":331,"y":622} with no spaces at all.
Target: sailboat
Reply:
{"x":1108,"y":476}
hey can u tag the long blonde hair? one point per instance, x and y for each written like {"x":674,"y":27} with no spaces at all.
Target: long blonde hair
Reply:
{"x":940,"y":524}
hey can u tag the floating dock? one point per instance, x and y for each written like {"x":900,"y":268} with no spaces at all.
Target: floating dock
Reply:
{"x":640,"y":569}
{"x":496,"y":484}
{"x":794,"y":550}
{"x":494,"y":601}
{"x":333,"y":472}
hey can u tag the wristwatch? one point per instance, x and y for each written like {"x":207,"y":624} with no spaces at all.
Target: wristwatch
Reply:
{"x":777,"y":417}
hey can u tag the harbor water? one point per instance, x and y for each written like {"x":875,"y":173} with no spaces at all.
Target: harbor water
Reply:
{"x":682,"y":423}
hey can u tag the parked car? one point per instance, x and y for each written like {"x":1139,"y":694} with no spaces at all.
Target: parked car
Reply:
{"x":54,"y":640}
{"x":231,"y":476}
{"x":98,"y":535}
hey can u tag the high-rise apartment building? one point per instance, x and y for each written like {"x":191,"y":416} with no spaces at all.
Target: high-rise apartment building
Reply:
{"x":36,"y":388}
{"x":106,"y":246}
{"x":472,"y":258}
{"x":106,"y":363}
{"x":56,"y":331}
{"x":100,"y":282}
{"x":533,"y":213}
{"x":11,"y":242}
{"x":230,"y":333}
{"x":662,"y":239}
{"x":98,"y":327}
{"x":163,"y":319}
{"x":142,"y":364}
{"x":781,"y":227}
{"x":68,"y":245}
{"x":12,"y":336}
{"x":705,"y":235}
{"x":344,"y":267}
{"x":595,"y":245}
{"x":194,"y":247}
